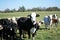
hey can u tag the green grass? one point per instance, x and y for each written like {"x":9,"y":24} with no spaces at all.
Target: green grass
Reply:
{"x":41,"y":34}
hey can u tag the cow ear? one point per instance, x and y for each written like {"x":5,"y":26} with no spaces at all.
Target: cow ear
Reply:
{"x":37,"y":15}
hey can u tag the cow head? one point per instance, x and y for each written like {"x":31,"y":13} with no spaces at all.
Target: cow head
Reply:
{"x":35,"y":28}
{"x":13,"y":19}
{"x":33,"y":16}
{"x":54,"y":16}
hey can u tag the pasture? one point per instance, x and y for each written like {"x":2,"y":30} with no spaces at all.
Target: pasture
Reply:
{"x":43,"y":34}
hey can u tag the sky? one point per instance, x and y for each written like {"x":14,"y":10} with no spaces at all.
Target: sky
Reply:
{"x":28,"y":4}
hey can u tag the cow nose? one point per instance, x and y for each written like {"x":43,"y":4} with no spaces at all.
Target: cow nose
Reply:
{"x":34,"y":22}
{"x":32,"y":30}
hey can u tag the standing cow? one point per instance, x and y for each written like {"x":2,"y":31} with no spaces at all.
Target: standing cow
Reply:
{"x":46,"y":21}
{"x":28,"y":24}
{"x":8,"y":28}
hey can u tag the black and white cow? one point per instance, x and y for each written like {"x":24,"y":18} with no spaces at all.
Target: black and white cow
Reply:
{"x":8,"y":28}
{"x":28,"y":24}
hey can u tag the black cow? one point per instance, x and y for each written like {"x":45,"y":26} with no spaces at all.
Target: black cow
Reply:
{"x":8,"y":28}
{"x":27,"y":24}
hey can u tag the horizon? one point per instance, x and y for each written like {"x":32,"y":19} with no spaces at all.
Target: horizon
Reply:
{"x":28,"y":4}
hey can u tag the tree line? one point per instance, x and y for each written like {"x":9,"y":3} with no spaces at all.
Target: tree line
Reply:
{"x":23,"y":9}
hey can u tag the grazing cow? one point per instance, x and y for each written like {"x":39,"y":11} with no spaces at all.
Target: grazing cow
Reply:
{"x":8,"y":28}
{"x":51,"y":19}
{"x":28,"y":24}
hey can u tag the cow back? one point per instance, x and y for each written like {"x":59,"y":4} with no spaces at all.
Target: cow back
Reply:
{"x":25,"y":23}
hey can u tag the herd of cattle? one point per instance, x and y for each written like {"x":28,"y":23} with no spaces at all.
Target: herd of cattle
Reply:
{"x":50,"y":20}
{"x":8,"y":26}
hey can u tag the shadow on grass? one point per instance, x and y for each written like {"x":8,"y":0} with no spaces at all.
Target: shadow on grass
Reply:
{"x":44,"y":29}
{"x":17,"y":38}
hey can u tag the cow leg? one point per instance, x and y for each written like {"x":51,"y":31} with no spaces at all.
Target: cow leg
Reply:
{"x":6,"y":37}
{"x":12,"y":37}
{"x":28,"y":35}
{"x":20,"y":34}
{"x":14,"y":34}
{"x":50,"y":26}
{"x":33,"y":36}
{"x":46,"y":26}
{"x":0,"y":38}
{"x":15,"y":30}
{"x":24,"y":36}
{"x":56,"y":25}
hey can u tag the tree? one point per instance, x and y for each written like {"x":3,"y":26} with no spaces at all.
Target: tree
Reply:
{"x":52,"y":9}
{"x":0,"y":11}
{"x":6,"y":10}
{"x":14,"y":10}
{"x":21,"y":9}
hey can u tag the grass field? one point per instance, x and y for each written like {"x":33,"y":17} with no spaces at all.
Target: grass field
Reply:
{"x":41,"y":34}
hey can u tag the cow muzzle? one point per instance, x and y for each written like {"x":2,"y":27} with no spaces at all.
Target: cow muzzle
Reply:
{"x":32,"y":30}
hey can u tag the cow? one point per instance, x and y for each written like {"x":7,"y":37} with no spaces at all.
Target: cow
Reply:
{"x":2,"y":25}
{"x":46,"y":21}
{"x":54,"y":20}
{"x":50,"y":20}
{"x":8,"y":28}
{"x":28,"y":24}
